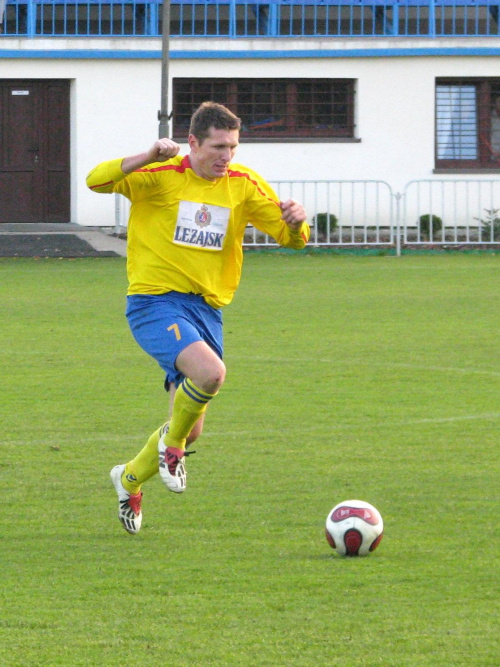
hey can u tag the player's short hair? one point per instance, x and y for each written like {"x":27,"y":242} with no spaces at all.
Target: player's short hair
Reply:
{"x":211,"y":114}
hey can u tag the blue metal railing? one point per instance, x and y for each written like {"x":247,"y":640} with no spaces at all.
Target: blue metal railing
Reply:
{"x":255,"y":18}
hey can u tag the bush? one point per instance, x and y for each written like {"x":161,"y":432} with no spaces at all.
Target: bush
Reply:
{"x":490,"y":226}
{"x":425,"y":225}
{"x":321,"y":222}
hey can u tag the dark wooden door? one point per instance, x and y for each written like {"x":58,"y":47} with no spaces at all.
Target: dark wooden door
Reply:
{"x":34,"y":151}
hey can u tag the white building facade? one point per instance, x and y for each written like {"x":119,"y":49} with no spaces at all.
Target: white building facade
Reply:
{"x":114,"y":89}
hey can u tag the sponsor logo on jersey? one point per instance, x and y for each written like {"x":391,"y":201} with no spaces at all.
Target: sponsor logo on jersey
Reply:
{"x":201,"y":225}
{"x":197,"y":237}
{"x":203,"y":216}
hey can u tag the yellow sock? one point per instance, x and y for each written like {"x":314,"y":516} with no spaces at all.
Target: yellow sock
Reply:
{"x":144,"y":466}
{"x":190,"y":403}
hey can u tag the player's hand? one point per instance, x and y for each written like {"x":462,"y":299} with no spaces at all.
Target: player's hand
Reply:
{"x":163,"y":150}
{"x":293,"y":213}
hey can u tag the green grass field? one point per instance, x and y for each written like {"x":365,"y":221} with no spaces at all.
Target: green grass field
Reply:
{"x":348,"y":377}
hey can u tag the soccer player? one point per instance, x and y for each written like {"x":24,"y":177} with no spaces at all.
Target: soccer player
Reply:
{"x":184,"y":258}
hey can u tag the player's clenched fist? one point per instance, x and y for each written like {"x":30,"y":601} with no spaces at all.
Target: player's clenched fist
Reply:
{"x":163,"y":149}
{"x":293,"y":213}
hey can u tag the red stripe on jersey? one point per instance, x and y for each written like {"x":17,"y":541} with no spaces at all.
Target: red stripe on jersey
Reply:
{"x":181,"y":168}
{"x":304,"y":237}
{"x":101,"y":185}
{"x":232,"y":173}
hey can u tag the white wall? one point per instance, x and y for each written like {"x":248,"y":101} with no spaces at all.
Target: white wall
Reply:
{"x":114,"y":106}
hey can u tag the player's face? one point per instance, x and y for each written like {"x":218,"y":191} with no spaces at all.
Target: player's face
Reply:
{"x":211,"y":158}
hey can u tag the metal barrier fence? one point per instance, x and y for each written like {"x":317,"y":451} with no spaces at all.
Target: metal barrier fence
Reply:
{"x":253,"y":18}
{"x":451,"y":212}
{"x":340,"y":212}
{"x":369,"y":214}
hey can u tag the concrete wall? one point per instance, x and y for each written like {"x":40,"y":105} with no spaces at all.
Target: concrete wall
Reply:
{"x":114,"y":104}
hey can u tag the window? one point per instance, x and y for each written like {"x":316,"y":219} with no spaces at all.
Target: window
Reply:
{"x":468,"y":124}
{"x":272,"y":108}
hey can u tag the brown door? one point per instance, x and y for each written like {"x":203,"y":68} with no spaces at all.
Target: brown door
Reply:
{"x":34,"y":151}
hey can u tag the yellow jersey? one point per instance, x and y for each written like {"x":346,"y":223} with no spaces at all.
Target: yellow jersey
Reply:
{"x":185,"y":233}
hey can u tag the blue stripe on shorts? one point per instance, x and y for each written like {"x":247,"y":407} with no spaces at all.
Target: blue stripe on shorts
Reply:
{"x":164,"y":324}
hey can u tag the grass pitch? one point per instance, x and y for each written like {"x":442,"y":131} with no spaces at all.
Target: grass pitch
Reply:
{"x":348,"y":377}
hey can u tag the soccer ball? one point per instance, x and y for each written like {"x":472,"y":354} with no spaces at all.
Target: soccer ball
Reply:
{"x":354,"y":528}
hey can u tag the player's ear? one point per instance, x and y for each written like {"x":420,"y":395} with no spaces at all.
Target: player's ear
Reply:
{"x":193,"y":142}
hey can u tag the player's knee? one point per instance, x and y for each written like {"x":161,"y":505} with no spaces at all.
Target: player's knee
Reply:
{"x":220,"y":375}
{"x":214,"y":378}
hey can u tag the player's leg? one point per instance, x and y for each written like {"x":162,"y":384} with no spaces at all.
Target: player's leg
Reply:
{"x":197,"y":429}
{"x":145,"y":464}
{"x":204,"y":373}
{"x":173,"y":329}
{"x":159,"y":326}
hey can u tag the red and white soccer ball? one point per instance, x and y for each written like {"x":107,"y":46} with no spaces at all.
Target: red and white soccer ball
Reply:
{"x":354,"y":528}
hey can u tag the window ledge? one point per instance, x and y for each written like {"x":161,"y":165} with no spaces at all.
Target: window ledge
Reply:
{"x":457,"y":170}
{"x":291,"y":140}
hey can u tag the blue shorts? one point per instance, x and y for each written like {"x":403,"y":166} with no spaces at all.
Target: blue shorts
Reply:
{"x":165,"y":324}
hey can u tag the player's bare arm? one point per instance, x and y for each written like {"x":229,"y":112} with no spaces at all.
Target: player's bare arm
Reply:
{"x":161,"y":150}
{"x":293,"y":213}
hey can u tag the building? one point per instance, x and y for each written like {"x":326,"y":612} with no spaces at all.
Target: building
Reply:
{"x":388,"y":90}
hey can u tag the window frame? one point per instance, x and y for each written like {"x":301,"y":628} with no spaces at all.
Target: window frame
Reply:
{"x":486,"y":89}
{"x":344,"y":133}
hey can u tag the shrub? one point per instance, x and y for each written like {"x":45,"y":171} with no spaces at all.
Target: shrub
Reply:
{"x":490,"y":226}
{"x":321,"y":222}
{"x":425,"y":225}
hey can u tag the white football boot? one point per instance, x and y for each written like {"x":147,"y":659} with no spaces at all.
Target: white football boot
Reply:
{"x":129,"y":504}
{"x":172,"y":464}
